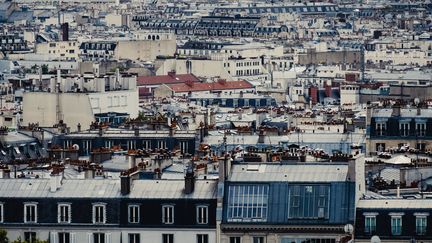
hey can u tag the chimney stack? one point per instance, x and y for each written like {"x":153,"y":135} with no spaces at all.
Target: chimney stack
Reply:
{"x":100,"y":131}
{"x":172,"y":74}
{"x":125,"y":184}
{"x":396,"y":110}
{"x":79,"y":127}
{"x":189,"y":180}
{"x":55,"y":181}
{"x":132,"y":161}
{"x":136,"y":132}
{"x":261,"y":136}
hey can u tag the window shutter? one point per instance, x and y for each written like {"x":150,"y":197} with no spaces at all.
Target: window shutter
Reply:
{"x":104,"y":215}
{"x":58,"y":213}
{"x":108,"y":238}
{"x":53,"y":237}
{"x":72,"y":237}
{"x":25,"y":213}
{"x":89,"y":236}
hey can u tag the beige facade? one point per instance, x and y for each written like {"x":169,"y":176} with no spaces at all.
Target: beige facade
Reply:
{"x":145,"y":50}
{"x":61,"y":50}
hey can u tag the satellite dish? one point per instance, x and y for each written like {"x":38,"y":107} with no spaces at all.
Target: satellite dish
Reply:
{"x":349,"y":228}
{"x":75,"y":146}
{"x":416,"y":101}
{"x":375,"y":239}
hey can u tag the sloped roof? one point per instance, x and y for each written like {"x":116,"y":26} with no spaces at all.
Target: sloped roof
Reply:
{"x":191,"y":87}
{"x":166,"y":79}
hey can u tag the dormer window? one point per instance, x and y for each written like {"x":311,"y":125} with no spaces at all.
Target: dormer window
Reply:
{"x":30,"y":213}
{"x":64,"y":213}
{"x":99,"y":213}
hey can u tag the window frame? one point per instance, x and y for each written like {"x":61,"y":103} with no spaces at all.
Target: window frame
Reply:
{"x":167,"y":238}
{"x":424,"y":218}
{"x":202,"y":238}
{"x":136,"y":211}
{"x":134,"y":235}
{"x":170,"y":210}
{"x":203,"y":220}
{"x":94,"y":212}
{"x":370,"y":228}
{"x":31,"y":204}
{"x":395,"y":218}
{"x":59,"y":213}
{"x":99,"y":237}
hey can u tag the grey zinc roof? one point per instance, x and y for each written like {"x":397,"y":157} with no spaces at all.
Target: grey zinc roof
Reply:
{"x":411,"y":112}
{"x":289,"y":172}
{"x":105,"y":188}
{"x":70,"y":188}
{"x":395,"y":203}
{"x":159,"y":189}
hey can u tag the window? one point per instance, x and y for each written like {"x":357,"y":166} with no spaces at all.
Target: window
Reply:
{"x":396,"y":225}
{"x":247,"y":203}
{"x":380,"y":147}
{"x":167,"y":238}
{"x":421,"y":129}
{"x":98,"y":238}
{"x":202,"y":214}
{"x":168,"y":214}
{"x":99,"y":214}
{"x":258,"y":239}
{"x":64,"y":213}
{"x":161,"y":144}
{"x":30,"y":213}
{"x":370,"y":224}
{"x":235,"y":239}
{"x":30,"y":237}
{"x":308,"y":201}
{"x":1,"y":213}
{"x":64,"y":237}
{"x":421,"y":224}
{"x":133,"y":213}
{"x":134,"y":238}
{"x":404,"y":129}
{"x":202,"y":238}
{"x":380,"y":128}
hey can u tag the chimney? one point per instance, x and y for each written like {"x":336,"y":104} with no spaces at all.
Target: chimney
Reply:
{"x":171,"y":131}
{"x":222,"y":81}
{"x":172,"y":74}
{"x":89,"y":173}
{"x":136,"y":132}
{"x":261,"y":136}
{"x":189,"y":180}
{"x":100,"y":131}
{"x":398,"y":191}
{"x":418,"y":111}
{"x":5,"y":173}
{"x":55,"y":181}
{"x":79,"y":127}
{"x":396,"y":110}
{"x":125,"y":184}
{"x":65,"y":31}
{"x":132,"y":161}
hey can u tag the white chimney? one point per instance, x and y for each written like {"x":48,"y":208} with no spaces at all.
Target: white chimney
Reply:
{"x":55,"y":182}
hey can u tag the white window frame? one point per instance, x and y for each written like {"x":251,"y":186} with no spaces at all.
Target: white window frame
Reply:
{"x":380,"y":128}
{"x":95,"y":219}
{"x":423,"y":216}
{"x":136,"y":209}
{"x":135,"y":240}
{"x":399,"y":217}
{"x":170,"y":210}
{"x":168,"y":241}
{"x":60,"y":212}
{"x":404,"y":128}
{"x":421,"y":129}
{"x":370,"y":216}
{"x":204,"y":213}
{"x":202,"y":238}
{"x":100,"y":235}
{"x":30,"y":204}
{"x":1,"y":212}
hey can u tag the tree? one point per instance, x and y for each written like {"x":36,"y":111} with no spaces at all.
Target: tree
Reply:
{"x":3,"y":236}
